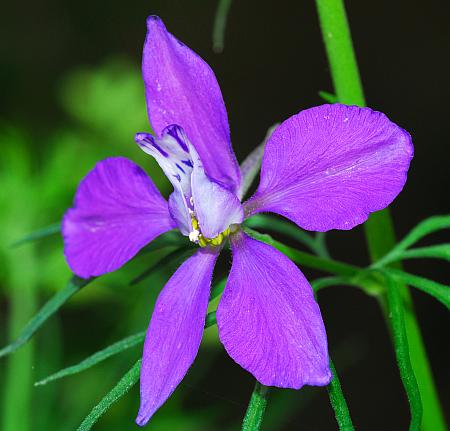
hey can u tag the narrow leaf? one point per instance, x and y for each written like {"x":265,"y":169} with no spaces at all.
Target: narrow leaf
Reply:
{"x":440,"y":291}
{"x":125,"y":383}
{"x":396,"y":315}
{"x":284,"y":227}
{"x":168,"y":239}
{"x":72,"y":287}
{"x":339,"y":403}
{"x":220,"y":24}
{"x":440,"y":251}
{"x":328,"y":97}
{"x":100,"y":356}
{"x":252,"y":163}
{"x":171,"y":259}
{"x":256,"y":408}
{"x":424,"y":228}
{"x":117,"y":392}
{"x":306,"y":259}
{"x":210,"y":319}
{"x":38,"y":234}
{"x":323,"y":282}
{"x":217,"y":289}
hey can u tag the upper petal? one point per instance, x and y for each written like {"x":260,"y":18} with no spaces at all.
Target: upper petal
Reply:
{"x":268,"y":319}
{"x":175,"y":331}
{"x":329,"y":167}
{"x":117,"y":211}
{"x":181,"y":89}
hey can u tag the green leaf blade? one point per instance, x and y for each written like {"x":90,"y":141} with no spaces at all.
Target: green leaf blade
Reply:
{"x":440,"y":291}
{"x":96,"y":358}
{"x":396,"y":315}
{"x":117,"y":392}
{"x":38,"y":234}
{"x":328,"y":97}
{"x":49,"y":308}
{"x":220,"y":24}
{"x":440,"y":251}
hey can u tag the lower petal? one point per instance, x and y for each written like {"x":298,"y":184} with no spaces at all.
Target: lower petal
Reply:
{"x":269,"y":321}
{"x":175,"y":331}
{"x":117,"y":211}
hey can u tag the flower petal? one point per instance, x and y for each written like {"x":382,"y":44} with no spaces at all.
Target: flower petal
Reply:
{"x":175,"y":331}
{"x":117,"y":211}
{"x":171,"y":151}
{"x":268,"y":319}
{"x":181,"y":89}
{"x":329,"y":167}
{"x":216,"y":208}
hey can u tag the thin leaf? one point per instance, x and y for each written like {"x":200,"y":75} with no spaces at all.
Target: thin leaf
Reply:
{"x":284,"y":227}
{"x":252,"y":163}
{"x":256,"y":408}
{"x":306,"y":259}
{"x":117,"y":392}
{"x":321,"y":245}
{"x":440,"y":251}
{"x":220,"y":24}
{"x":328,"y":97}
{"x":124,"y":384}
{"x":440,"y":291}
{"x":100,"y":356}
{"x":323,"y":282}
{"x":38,"y":234}
{"x":424,"y":228}
{"x":210,"y":319}
{"x":171,"y":259}
{"x":72,"y":287}
{"x":168,"y":239}
{"x":396,"y":315}
{"x":217,"y":289}
{"x":339,"y":403}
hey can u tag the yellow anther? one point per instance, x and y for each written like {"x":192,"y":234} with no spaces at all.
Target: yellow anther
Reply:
{"x":202,"y":241}
{"x":217,"y":240}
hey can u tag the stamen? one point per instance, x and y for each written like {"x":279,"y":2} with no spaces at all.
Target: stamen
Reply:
{"x":194,"y":236}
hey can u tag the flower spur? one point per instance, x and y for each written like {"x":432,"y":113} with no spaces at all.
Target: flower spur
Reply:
{"x":325,"y":168}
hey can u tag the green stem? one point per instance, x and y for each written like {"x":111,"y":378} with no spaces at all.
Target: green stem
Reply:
{"x":338,"y":402}
{"x":256,"y":408}
{"x":378,"y":229}
{"x":306,"y":259}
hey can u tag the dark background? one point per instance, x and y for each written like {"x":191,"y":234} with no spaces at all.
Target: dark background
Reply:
{"x":273,"y":66}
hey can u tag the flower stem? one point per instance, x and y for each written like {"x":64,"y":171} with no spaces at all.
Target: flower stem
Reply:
{"x":339,"y":403}
{"x":256,"y":408}
{"x":378,"y":229}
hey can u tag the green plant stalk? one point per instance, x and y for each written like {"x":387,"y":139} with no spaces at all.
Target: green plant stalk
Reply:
{"x":256,"y":408}
{"x":379,"y":228}
{"x":338,"y":402}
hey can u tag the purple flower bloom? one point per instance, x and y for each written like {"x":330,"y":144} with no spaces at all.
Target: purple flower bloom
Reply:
{"x":325,"y":168}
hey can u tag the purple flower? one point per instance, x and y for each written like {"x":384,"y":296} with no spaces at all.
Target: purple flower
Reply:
{"x":325,"y":168}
